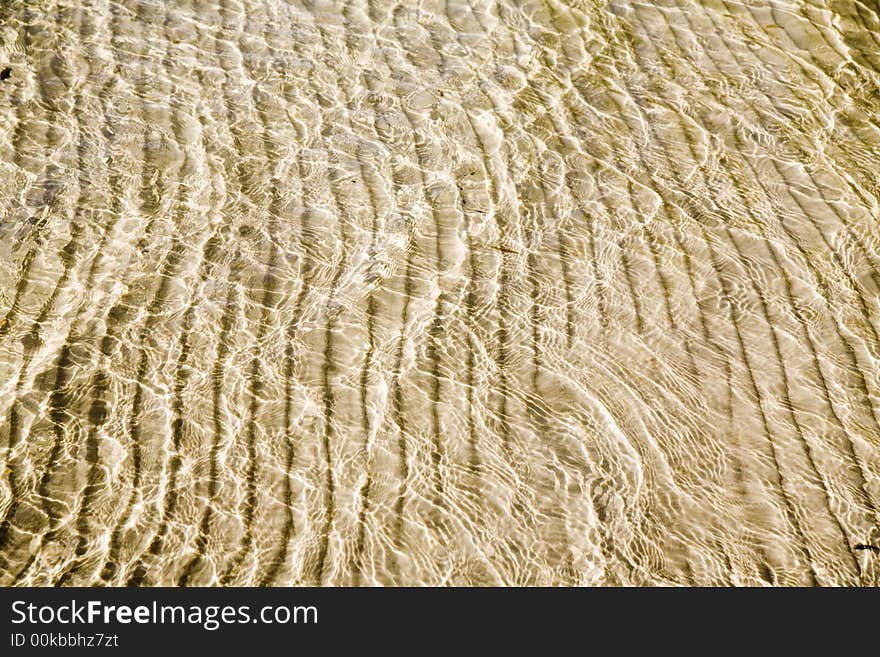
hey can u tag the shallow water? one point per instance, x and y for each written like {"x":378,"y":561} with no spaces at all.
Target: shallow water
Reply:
{"x":460,"y":293}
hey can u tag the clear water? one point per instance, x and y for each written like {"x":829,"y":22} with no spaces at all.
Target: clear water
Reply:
{"x":447,"y":293}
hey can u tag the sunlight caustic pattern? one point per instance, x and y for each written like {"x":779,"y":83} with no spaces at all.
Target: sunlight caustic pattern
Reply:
{"x":440,"y":292}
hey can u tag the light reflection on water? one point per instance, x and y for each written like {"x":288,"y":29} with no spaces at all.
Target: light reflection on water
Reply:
{"x":466,"y":292}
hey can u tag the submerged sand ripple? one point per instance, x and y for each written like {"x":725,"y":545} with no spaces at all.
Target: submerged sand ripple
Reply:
{"x":421,"y":292}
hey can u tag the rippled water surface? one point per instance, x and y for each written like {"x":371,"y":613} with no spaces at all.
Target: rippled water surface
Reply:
{"x":465,"y":292}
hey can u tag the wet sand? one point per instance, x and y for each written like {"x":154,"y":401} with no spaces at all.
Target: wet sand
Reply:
{"x":440,"y":293}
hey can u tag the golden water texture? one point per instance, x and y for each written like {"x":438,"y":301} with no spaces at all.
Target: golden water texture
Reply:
{"x":452,"y":293}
